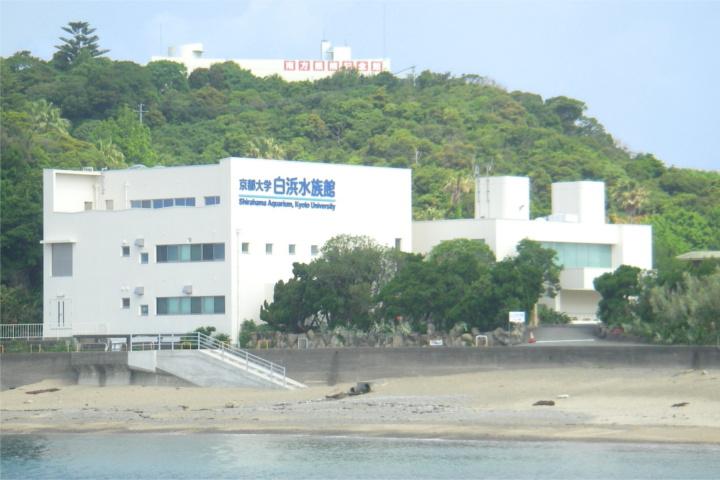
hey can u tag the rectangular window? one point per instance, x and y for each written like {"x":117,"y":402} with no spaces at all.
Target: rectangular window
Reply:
{"x":190,"y":305}
{"x":135,"y":204}
{"x":190,"y":202}
{"x":581,"y":255}
{"x":161,"y":306}
{"x":179,"y":202}
{"x":173,"y":305}
{"x":144,"y":310}
{"x":245,"y":247}
{"x":212,"y":200}
{"x":157,"y":203}
{"x":167,"y":202}
{"x":196,"y":305}
{"x":88,"y":205}
{"x":125,"y":251}
{"x":144,"y":257}
{"x":185,"y":305}
{"x":126,"y":302}
{"x":268,"y":248}
{"x":219,"y":304}
{"x":172,"y":253}
{"x":196,"y":252}
{"x":291,"y":249}
{"x":109,"y":205}
{"x":314,"y":250}
{"x":145,"y":204}
{"x":208,"y":304}
{"x":62,"y":259}
{"x":398,"y":244}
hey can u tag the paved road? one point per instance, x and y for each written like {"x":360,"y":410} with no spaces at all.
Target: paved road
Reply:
{"x":571,"y":335}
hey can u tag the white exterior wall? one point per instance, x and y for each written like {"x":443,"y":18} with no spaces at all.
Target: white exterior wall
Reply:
{"x":369,"y":201}
{"x":502,"y":197}
{"x":583,"y":202}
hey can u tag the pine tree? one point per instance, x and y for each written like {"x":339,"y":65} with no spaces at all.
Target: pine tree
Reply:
{"x":82,"y":45}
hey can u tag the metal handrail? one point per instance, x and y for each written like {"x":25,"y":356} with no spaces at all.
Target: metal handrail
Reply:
{"x":21,"y":330}
{"x":200,"y":341}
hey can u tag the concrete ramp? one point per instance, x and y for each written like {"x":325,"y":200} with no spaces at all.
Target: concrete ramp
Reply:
{"x":205,"y":368}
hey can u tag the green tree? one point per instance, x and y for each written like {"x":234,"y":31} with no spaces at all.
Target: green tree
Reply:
{"x":167,"y":75}
{"x":336,"y":289}
{"x":519,"y":281}
{"x":688,"y":313}
{"x":617,"y":289}
{"x":82,"y":45}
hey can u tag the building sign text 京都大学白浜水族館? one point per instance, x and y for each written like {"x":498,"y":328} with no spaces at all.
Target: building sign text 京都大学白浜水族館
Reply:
{"x":288,"y":192}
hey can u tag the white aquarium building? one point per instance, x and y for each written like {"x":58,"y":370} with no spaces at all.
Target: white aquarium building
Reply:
{"x":587,"y":246}
{"x":331,"y":60}
{"x":167,"y":250}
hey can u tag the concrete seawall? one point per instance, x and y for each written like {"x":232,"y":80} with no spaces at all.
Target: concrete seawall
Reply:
{"x":330,"y":366}
{"x":83,"y":368}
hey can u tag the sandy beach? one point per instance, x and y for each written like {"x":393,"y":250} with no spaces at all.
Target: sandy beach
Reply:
{"x":600,"y":404}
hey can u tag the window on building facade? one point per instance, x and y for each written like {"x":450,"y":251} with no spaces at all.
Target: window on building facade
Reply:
{"x":163,"y":202}
{"x":88,"y":205}
{"x":212,"y":200}
{"x":245,"y":247}
{"x":144,"y":310}
{"x":291,"y":249}
{"x":62,"y":259}
{"x":109,"y":205}
{"x":125,"y":251}
{"x":581,"y":255}
{"x":196,"y":252}
{"x":144,"y":257}
{"x":208,"y":305}
{"x":398,"y":244}
{"x":268,"y":248}
{"x":314,"y":250}
{"x":126,"y":302}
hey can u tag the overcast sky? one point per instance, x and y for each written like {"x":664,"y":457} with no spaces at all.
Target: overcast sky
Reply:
{"x":648,"y":70}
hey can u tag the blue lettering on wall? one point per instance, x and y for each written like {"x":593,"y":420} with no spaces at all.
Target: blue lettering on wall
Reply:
{"x":288,"y":192}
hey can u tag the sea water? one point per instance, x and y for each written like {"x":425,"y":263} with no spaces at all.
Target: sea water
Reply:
{"x":178,"y":456}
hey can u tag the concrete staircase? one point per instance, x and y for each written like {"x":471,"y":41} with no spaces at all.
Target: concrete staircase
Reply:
{"x":204,"y":361}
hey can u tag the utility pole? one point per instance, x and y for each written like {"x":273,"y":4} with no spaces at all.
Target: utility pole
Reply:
{"x":140,"y":111}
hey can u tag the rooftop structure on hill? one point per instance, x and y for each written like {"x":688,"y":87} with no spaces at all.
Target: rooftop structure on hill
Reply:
{"x":332,"y":59}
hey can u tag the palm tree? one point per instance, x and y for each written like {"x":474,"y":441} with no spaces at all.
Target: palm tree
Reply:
{"x":460,"y":184}
{"x":44,"y":117}
{"x":630,"y":197}
{"x":265,"y":147}
{"x":111,"y":156}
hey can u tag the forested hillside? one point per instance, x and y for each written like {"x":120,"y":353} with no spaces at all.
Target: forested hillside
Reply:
{"x":80,"y":109}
